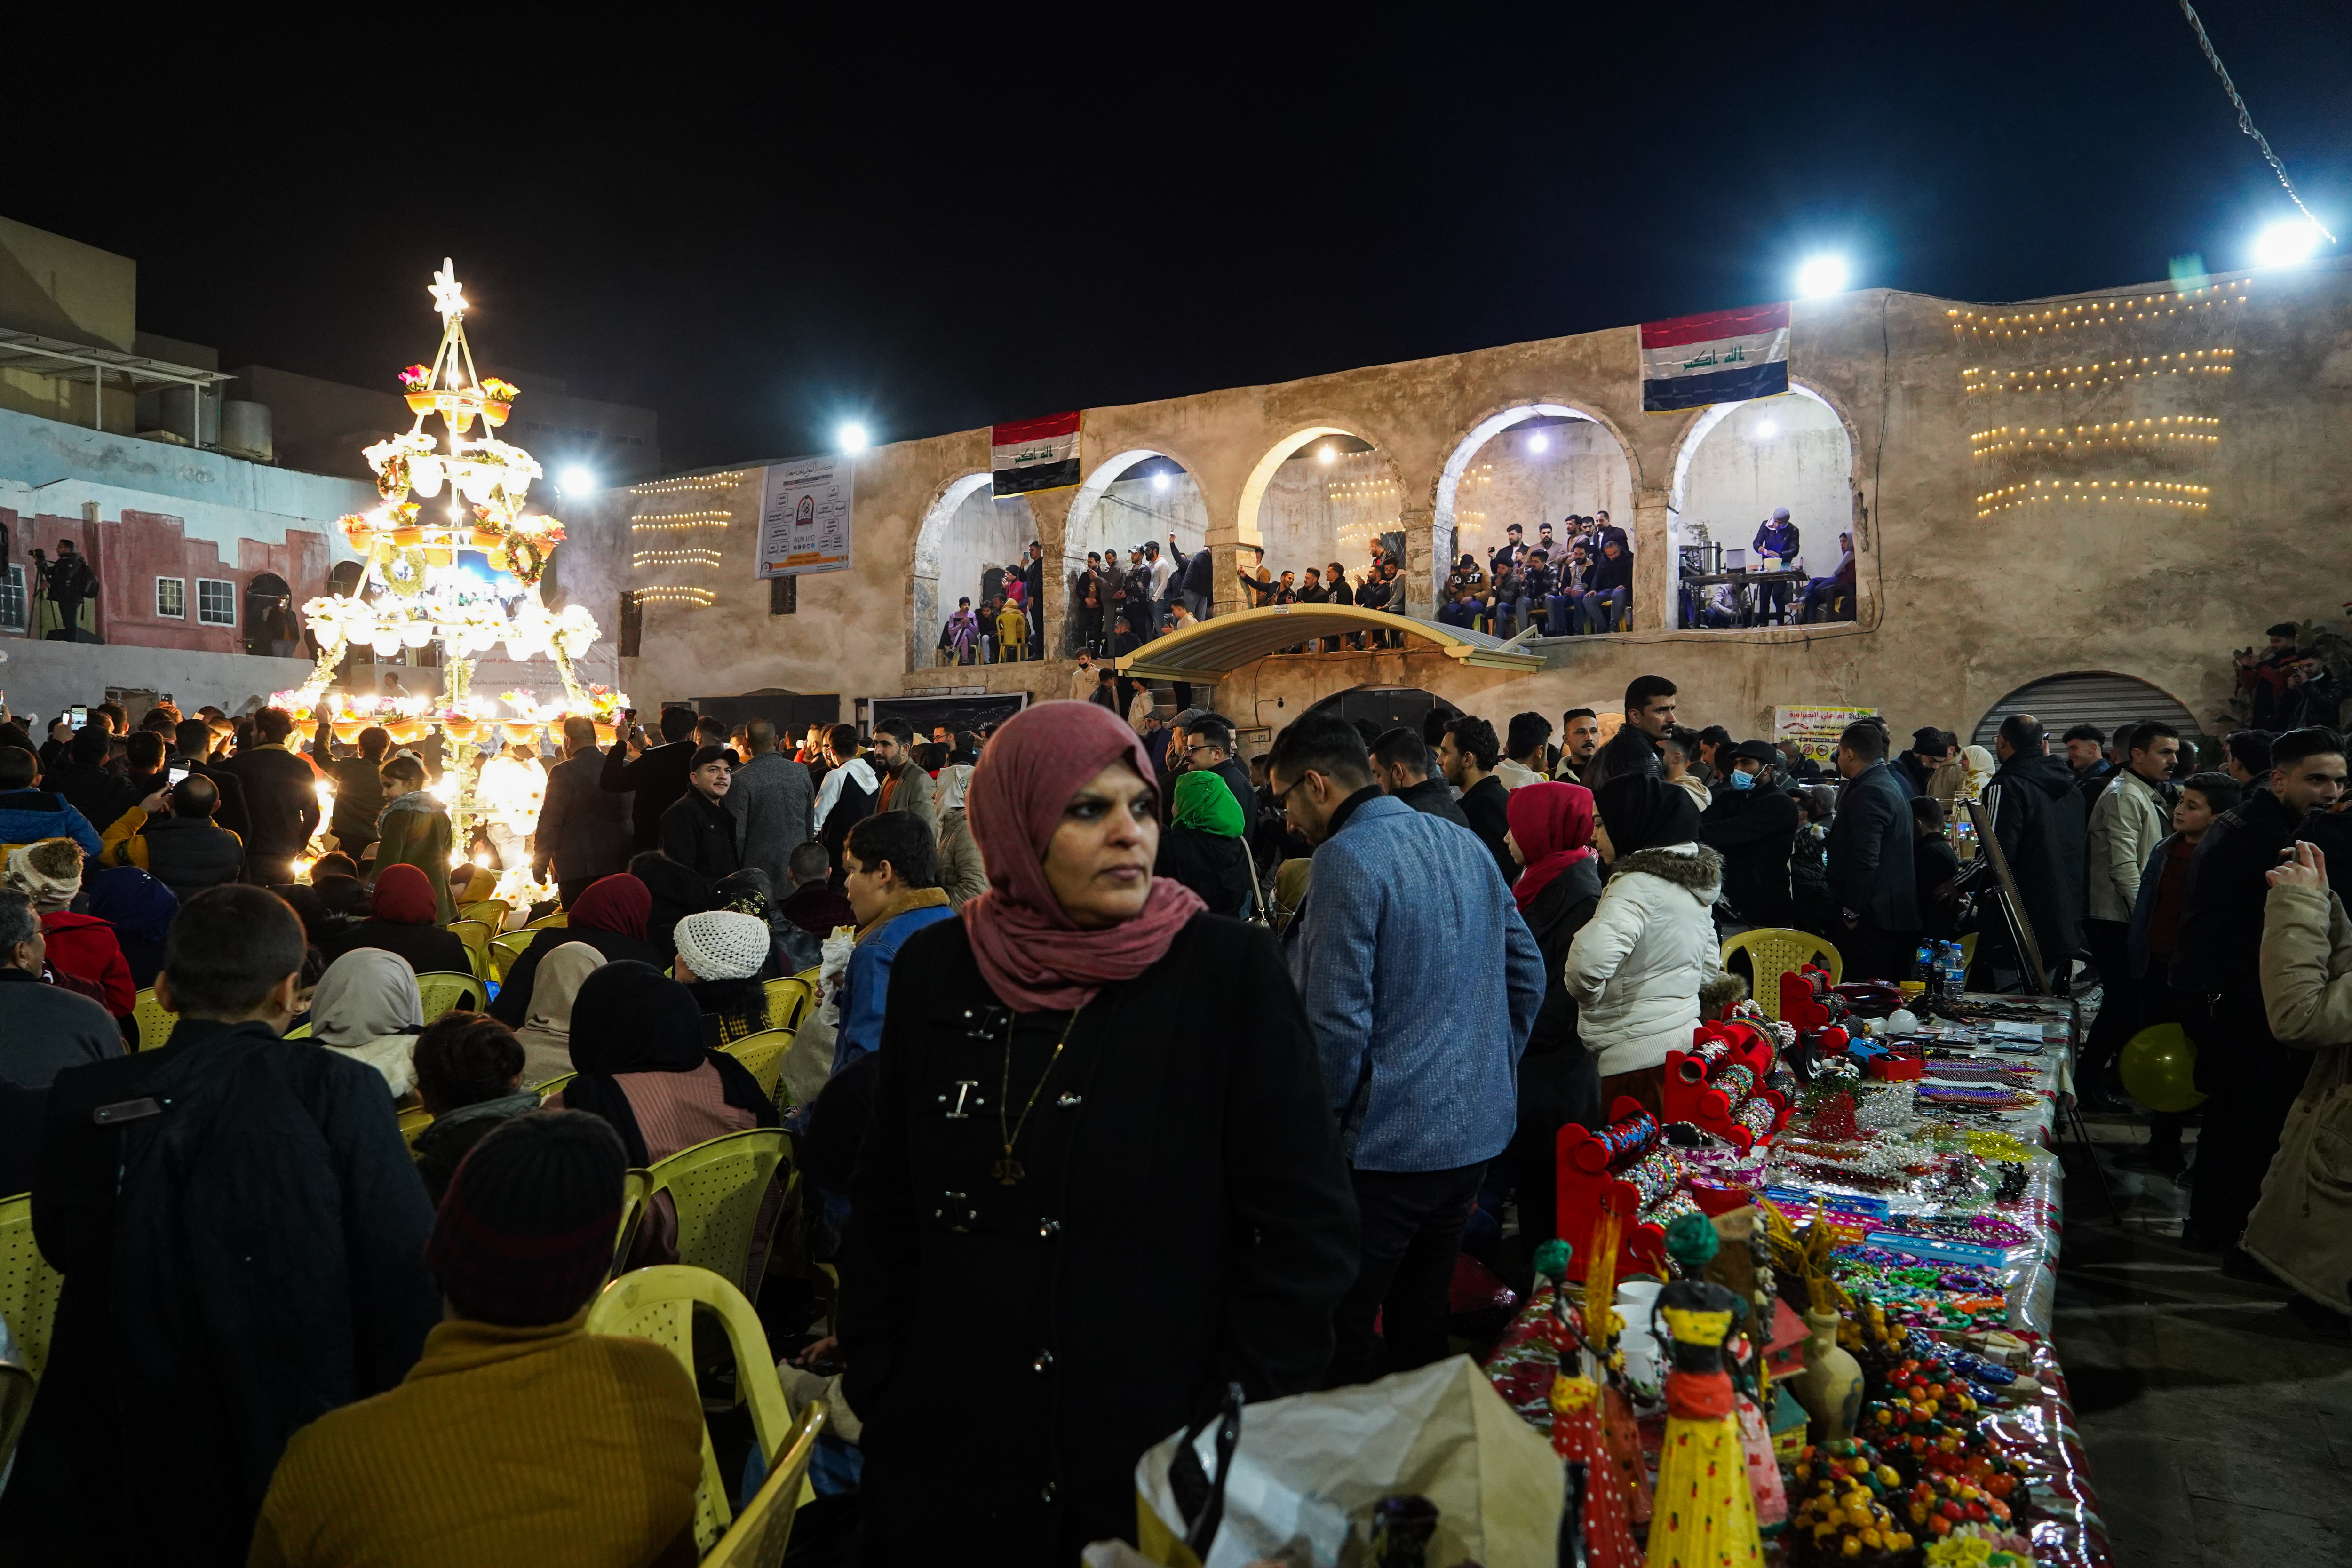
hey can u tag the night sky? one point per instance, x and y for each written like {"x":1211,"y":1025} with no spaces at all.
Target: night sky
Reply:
{"x":932,"y":224}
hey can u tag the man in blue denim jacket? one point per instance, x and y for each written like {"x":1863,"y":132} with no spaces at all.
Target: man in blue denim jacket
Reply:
{"x":1421,"y":983}
{"x":894,"y":891}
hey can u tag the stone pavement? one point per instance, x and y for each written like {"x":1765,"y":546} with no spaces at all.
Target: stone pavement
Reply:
{"x":2216,"y":1418}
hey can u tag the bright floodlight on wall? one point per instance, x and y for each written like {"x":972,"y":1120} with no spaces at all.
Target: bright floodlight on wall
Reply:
{"x":2286,"y":244}
{"x":1160,"y":480}
{"x":1821,"y":275}
{"x":1326,"y":453}
{"x":1539,"y":442}
{"x":576,"y":480}
{"x":852,"y":437}
{"x":1766,"y":429}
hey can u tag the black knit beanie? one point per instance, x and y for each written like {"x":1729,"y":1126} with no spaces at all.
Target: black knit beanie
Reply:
{"x":526,"y":1232}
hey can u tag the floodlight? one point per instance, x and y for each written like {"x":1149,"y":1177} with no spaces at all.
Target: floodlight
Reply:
{"x":852,"y":437}
{"x":1160,"y":480}
{"x":1539,"y":442}
{"x":1821,"y":275}
{"x":2289,"y":243}
{"x":1766,"y":429}
{"x":1326,"y":453}
{"x":577,"y":480}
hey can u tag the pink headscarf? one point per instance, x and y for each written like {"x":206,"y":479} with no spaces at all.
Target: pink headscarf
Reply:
{"x":1030,"y":953}
{"x":1552,"y":825}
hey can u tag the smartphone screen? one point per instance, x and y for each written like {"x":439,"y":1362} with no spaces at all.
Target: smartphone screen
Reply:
{"x":80,"y":717}
{"x":177,"y":775}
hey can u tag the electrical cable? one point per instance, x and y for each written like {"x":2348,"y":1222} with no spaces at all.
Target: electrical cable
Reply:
{"x":2246,"y":118}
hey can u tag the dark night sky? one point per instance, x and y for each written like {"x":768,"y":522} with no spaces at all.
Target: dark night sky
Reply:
{"x":763,"y":228}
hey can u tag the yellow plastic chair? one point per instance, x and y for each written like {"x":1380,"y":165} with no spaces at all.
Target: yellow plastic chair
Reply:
{"x":504,"y":950}
{"x":1968,"y":951}
{"x":788,"y":1001}
{"x":764,"y":1055}
{"x":154,"y":1022}
{"x":560,"y":918}
{"x":719,"y":1189}
{"x":659,"y":1304}
{"x":813,"y":973}
{"x":413,"y":1120}
{"x":477,"y":938}
{"x":764,"y":1528}
{"x":17,"y":1385}
{"x":1774,"y":950}
{"x":549,"y":1089}
{"x":28,"y":1286}
{"x":447,"y":991}
{"x":489,"y":911}
{"x":636,"y":1187}
{"x":298,"y":1032}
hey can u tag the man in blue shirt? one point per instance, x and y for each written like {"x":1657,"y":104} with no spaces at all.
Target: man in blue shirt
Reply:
{"x":1421,"y":983}
{"x":29,"y":813}
{"x":1776,"y":536}
{"x":893,"y":886}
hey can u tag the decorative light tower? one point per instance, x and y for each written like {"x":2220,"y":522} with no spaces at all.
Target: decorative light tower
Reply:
{"x":447,"y":498}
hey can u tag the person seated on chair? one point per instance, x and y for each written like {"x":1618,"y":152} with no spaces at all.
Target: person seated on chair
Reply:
{"x":455,"y":1465}
{"x":719,"y":955}
{"x":366,"y":1006}
{"x":469,"y":1071}
{"x":400,"y":920}
{"x":638,"y":1042}
{"x":894,"y":889}
{"x":1822,"y":591}
{"x":1609,"y":590}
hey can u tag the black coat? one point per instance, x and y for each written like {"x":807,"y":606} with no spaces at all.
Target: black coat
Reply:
{"x":658,"y":778}
{"x":1628,"y":751}
{"x":88,"y":789}
{"x":2038,"y":818}
{"x":1432,"y":796}
{"x":1754,"y":830}
{"x":1935,"y":868}
{"x":429,"y":948}
{"x":189,"y":854}
{"x":512,"y":1003}
{"x":1560,"y":1081}
{"x":281,"y":802}
{"x":1185,"y":1219}
{"x":1212,"y":865}
{"x":230,"y":812}
{"x":1869,"y":851}
{"x":2222,"y":907}
{"x":358,"y":801}
{"x":585,"y":832}
{"x":258,"y":1261}
{"x":700,"y":834}
{"x":1486,"y":812}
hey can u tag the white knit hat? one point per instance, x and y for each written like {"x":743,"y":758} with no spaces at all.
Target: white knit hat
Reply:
{"x":48,"y":871}
{"x":720,"y":944}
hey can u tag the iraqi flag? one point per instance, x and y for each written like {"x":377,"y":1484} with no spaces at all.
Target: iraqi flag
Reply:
{"x":1724,"y":356}
{"x":1034,"y":454}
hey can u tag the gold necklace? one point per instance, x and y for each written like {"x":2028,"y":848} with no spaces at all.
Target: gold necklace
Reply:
{"x":1008,"y":1170}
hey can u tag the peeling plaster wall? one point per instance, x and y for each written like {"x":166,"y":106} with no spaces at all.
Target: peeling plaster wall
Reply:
{"x":1957,"y":608}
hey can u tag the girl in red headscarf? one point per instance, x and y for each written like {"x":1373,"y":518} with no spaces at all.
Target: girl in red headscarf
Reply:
{"x":1560,"y":1081}
{"x":610,"y":917}
{"x":1101,"y":1180}
{"x":403,"y":917}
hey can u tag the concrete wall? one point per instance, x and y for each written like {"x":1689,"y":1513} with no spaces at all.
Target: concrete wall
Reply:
{"x":1788,"y":451}
{"x":48,"y":678}
{"x":1536,"y":474}
{"x":1963,"y":596}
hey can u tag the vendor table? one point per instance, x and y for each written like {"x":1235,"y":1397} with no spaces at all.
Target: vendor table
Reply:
{"x":1943,"y":1194}
{"x":1742,"y":585}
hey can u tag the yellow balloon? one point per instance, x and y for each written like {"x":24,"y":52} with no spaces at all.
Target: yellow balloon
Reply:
{"x":2159,"y":1068}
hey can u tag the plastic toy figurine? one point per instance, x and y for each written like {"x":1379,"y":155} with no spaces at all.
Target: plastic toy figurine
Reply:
{"x":1604,"y":1525}
{"x":1703,"y":1515}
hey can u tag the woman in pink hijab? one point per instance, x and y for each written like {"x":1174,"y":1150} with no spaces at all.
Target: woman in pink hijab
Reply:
{"x":1101,"y":1180}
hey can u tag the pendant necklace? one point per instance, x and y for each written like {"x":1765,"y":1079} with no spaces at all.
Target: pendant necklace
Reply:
{"x":1008,"y":1171}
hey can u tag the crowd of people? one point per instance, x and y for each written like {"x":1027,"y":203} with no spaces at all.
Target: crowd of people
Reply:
{"x":1239,"y":1115}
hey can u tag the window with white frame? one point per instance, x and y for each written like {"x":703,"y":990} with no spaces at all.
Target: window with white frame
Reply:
{"x":172,"y":598}
{"x":11,"y":599}
{"x":215,"y":601}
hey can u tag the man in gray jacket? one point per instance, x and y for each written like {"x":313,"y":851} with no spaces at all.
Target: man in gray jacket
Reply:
{"x":770,"y":798}
{"x":2128,"y":819}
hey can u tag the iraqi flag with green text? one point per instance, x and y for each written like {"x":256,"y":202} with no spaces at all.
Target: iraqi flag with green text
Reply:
{"x":1724,"y":356}
{"x":1034,"y":454}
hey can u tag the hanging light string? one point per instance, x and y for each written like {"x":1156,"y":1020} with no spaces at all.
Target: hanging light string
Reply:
{"x":2246,"y":118}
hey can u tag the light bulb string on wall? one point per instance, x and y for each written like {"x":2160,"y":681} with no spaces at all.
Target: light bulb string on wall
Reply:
{"x":2246,"y":118}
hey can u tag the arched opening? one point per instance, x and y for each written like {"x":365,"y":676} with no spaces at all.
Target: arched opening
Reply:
{"x":2089,"y":697}
{"x":1386,"y":707}
{"x":969,"y":546}
{"x":1138,"y":498}
{"x":1738,"y":465}
{"x":1322,"y":496}
{"x":1562,"y":478}
{"x":271,"y":626}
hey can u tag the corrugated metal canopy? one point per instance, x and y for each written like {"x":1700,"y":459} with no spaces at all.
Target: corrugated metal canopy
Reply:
{"x":1210,"y":648}
{"x":2088,"y":697}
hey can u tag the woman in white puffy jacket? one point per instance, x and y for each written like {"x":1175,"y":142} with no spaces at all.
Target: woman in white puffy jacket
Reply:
{"x":1637,"y":967}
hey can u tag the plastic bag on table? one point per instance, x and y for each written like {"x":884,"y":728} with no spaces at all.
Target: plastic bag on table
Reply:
{"x":1308,"y":1471}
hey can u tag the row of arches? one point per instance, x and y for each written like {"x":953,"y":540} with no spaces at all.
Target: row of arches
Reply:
{"x":1326,"y":493}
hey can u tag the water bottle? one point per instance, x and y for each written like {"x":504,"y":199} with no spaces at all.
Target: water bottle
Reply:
{"x":1925,"y":967}
{"x":1956,"y":970}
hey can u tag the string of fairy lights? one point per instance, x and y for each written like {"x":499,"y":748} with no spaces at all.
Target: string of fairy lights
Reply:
{"x":2096,"y":365}
{"x":690,"y":509}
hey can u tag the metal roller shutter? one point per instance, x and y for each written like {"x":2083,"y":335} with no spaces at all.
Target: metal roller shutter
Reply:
{"x":2061,"y":701}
